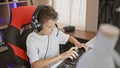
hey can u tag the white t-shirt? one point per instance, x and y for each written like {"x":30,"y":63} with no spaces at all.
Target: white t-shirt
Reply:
{"x":40,"y":47}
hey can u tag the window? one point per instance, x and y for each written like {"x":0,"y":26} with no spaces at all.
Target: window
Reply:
{"x":71,"y":12}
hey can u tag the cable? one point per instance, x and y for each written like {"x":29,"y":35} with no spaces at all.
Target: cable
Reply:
{"x":47,"y":48}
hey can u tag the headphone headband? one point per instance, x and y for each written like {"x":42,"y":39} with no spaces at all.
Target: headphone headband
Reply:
{"x":38,"y":9}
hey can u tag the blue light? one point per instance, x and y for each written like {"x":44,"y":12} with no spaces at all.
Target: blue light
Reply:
{"x":14,"y":5}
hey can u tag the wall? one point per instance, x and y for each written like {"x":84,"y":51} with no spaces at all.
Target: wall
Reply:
{"x":39,"y":2}
{"x":92,"y":15}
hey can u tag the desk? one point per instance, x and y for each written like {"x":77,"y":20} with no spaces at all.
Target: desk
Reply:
{"x":86,"y":35}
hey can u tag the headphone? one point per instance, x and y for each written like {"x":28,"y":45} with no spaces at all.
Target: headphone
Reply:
{"x":36,"y":24}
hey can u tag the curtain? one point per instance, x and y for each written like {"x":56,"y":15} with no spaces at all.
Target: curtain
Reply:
{"x":71,"y":12}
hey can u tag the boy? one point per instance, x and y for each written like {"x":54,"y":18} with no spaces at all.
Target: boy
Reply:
{"x":43,"y":42}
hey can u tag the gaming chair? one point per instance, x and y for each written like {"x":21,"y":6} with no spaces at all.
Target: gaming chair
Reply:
{"x":14,"y":38}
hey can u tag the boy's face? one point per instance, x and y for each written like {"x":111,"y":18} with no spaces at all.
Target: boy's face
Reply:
{"x":48,"y":27}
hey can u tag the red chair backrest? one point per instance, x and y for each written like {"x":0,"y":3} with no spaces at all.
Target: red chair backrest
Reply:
{"x":21,"y":16}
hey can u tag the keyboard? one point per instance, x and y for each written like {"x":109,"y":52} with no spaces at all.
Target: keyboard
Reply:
{"x":68,"y":63}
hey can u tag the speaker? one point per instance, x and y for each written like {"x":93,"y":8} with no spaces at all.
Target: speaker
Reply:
{"x":69,"y":29}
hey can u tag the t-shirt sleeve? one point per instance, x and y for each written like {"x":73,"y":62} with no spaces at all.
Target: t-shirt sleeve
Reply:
{"x":31,"y":50}
{"x":63,"y":38}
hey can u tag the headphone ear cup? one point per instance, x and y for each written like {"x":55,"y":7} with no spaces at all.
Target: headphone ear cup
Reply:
{"x":33,"y":25}
{"x":39,"y":26}
{"x":36,"y":25}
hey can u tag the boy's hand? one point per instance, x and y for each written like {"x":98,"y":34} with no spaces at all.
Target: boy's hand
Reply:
{"x":71,"y":53}
{"x":82,"y":45}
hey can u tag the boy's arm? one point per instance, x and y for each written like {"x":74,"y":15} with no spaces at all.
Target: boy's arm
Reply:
{"x":43,"y":63}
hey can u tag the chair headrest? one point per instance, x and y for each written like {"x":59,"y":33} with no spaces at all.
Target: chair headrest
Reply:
{"x":21,"y":16}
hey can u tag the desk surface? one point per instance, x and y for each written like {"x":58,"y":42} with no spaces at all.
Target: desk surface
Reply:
{"x":86,"y":35}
